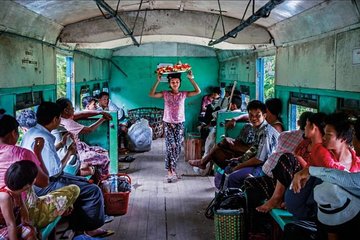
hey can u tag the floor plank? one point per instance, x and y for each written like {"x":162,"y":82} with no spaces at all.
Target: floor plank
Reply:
{"x":164,"y":211}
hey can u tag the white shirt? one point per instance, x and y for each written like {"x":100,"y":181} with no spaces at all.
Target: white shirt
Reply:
{"x":51,"y":159}
{"x":113,"y":108}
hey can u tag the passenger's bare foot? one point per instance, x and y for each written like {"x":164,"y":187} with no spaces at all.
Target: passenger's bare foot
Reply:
{"x":197,"y":163}
{"x":270,"y":204}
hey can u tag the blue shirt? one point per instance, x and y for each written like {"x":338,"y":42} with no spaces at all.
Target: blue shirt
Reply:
{"x":51,"y":159}
{"x":266,"y":139}
{"x":348,"y":181}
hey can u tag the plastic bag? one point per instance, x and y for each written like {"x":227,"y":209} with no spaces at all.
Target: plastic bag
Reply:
{"x":140,"y":136}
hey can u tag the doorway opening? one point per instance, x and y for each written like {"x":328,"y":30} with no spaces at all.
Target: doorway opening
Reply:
{"x":65,"y":86}
{"x":265,"y":81}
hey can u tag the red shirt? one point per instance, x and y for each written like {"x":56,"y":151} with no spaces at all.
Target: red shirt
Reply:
{"x":322,"y":157}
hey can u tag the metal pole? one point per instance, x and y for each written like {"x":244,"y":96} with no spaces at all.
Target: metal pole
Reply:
{"x":119,"y":21}
{"x":264,"y":11}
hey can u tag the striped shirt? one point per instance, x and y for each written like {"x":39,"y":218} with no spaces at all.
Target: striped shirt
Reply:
{"x":287,"y":143}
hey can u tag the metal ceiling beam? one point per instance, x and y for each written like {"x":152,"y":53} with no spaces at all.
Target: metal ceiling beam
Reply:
{"x":126,"y":30}
{"x":263,"y":12}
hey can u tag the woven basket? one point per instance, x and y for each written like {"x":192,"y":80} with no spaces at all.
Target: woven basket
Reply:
{"x":153,"y":115}
{"x":229,"y":224}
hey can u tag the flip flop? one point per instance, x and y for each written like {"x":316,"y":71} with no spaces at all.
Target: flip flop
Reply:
{"x":101,"y":233}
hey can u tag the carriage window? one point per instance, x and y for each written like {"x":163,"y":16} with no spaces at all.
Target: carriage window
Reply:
{"x":350,"y":106}
{"x":64,"y":76}
{"x":29,"y":99}
{"x":96,"y":89}
{"x":299,"y":103}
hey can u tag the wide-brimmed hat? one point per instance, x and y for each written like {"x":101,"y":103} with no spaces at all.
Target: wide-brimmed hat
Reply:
{"x":335,"y":204}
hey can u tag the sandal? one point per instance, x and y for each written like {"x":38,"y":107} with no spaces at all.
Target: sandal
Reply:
{"x":100,"y":233}
{"x":175,"y":176}
{"x":168,"y":178}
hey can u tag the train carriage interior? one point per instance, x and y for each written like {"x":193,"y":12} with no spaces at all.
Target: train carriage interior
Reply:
{"x":304,"y":52}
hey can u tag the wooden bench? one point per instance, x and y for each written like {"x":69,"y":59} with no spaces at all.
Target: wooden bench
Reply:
{"x":281,"y":216}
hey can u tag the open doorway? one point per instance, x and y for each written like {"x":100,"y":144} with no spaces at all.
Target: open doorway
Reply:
{"x":64,"y":77}
{"x":265,"y":81}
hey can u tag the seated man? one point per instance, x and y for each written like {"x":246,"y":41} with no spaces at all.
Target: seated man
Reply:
{"x":265,"y":142}
{"x":333,"y":153}
{"x":208,"y":100}
{"x":88,"y":214}
{"x":340,"y":187}
{"x":260,"y":188}
{"x":106,"y":105}
{"x":210,"y":139}
{"x":89,"y":103}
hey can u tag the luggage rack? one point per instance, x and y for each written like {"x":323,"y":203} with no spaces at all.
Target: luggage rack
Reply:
{"x":153,"y":114}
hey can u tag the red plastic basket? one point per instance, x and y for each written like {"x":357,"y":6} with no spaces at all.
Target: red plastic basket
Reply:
{"x":117,"y":203}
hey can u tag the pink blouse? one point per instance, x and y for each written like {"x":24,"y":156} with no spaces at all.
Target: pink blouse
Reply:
{"x":10,"y":154}
{"x":174,"y":109}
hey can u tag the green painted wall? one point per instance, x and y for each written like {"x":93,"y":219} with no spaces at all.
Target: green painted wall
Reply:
{"x":132,"y":91}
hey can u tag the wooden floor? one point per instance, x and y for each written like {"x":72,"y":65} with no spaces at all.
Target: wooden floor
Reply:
{"x":164,"y":211}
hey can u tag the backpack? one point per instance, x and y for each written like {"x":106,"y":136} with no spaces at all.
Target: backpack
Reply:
{"x":230,"y":198}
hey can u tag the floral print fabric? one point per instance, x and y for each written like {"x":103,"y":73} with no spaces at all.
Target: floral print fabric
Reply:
{"x":43,"y":210}
{"x":174,"y":136}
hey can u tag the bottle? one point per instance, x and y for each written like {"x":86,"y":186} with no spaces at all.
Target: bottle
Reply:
{"x":112,"y":184}
{"x":105,"y":186}
{"x":116,"y":183}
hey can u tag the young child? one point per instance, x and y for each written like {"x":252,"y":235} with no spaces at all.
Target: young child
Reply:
{"x":14,"y":217}
{"x":174,"y":118}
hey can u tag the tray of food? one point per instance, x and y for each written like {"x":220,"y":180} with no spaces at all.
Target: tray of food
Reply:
{"x":176,"y":68}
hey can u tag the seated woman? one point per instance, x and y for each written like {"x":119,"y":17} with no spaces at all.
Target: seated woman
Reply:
{"x":26,"y":119}
{"x":93,"y":155}
{"x":42,"y":210}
